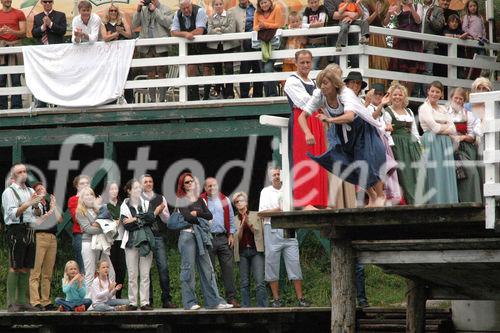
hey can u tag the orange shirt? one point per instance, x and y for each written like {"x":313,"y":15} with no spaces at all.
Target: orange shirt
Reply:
{"x":274,"y":20}
{"x":351,"y":7}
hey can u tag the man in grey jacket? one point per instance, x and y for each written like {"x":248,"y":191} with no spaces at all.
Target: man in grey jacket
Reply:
{"x":155,"y":20}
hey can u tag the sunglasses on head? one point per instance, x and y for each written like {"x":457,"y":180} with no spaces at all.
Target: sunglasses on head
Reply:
{"x":47,"y":1}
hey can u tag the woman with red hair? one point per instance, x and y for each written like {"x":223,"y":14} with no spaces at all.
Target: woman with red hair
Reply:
{"x":193,"y":247}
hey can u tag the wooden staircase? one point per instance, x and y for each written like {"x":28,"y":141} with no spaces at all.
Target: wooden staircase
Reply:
{"x":382,"y":320}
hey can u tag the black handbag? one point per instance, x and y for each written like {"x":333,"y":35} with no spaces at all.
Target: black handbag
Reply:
{"x":459,"y":166}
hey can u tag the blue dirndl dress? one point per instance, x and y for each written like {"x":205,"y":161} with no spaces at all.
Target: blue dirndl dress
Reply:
{"x":356,"y":153}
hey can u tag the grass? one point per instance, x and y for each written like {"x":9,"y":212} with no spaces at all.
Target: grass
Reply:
{"x":382,"y":289}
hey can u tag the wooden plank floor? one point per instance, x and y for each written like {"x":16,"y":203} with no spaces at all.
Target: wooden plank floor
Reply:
{"x":447,"y":247}
{"x":250,"y":320}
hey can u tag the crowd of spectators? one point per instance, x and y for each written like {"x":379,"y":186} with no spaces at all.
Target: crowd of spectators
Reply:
{"x":265,"y":18}
{"x":115,"y":238}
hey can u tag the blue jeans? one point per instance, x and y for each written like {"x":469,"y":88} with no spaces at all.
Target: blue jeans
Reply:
{"x":77,"y":251}
{"x":71,"y":305}
{"x":269,"y":86}
{"x":251,"y":260}
{"x":360,"y":283}
{"x":160,"y":256}
{"x":190,"y":257}
{"x":16,"y":100}
{"x":109,"y":305}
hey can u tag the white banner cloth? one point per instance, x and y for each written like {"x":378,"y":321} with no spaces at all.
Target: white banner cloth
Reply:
{"x":82,"y":75}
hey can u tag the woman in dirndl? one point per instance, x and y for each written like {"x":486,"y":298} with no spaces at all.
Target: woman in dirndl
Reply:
{"x":440,"y":180}
{"x":469,"y":180}
{"x":356,"y":152}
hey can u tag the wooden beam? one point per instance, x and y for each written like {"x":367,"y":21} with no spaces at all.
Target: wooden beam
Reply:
{"x":365,"y":217}
{"x":415,"y":307}
{"x":429,"y":257}
{"x":17,"y":152}
{"x":427,"y":244}
{"x":343,"y":287}
{"x":140,"y":132}
{"x":149,"y":113}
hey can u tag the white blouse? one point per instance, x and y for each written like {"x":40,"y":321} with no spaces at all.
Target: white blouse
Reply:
{"x":434,"y":120}
{"x":408,"y":117}
{"x":464,"y":115}
{"x":295,"y":90}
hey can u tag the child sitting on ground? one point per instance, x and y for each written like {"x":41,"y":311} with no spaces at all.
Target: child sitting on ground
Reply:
{"x":73,"y":285}
{"x":350,"y":12}
{"x":103,"y":291}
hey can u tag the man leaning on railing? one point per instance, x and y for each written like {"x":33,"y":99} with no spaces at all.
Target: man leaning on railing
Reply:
{"x":189,"y":21}
{"x":12,"y":30}
{"x":86,"y":26}
{"x":154,"y":19}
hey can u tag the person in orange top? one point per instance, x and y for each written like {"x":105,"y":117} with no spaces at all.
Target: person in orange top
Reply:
{"x":267,"y":17}
{"x":350,"y":12}
{"x":298,"y":42}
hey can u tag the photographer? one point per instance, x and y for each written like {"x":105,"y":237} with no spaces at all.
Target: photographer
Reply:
{"x":154,"y":19}
{"x":138,"y":242}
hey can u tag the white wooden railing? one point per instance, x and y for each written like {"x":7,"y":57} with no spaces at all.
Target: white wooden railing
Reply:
{"x":491,"y":154}
{"x":364,"y":51}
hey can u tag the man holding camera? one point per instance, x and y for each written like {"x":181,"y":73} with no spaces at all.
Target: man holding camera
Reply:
{"x":154,"y":19}
{"x":19,"y":213}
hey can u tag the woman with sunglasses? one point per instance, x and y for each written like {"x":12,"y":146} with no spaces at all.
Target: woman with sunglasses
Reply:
{"x":115,"y":25}
{"x":193,"y":253}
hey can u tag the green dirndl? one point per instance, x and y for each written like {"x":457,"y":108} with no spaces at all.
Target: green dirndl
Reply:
{"x":407,"y":152}
{"x":440,"y":170}
{"x":469,"y":189}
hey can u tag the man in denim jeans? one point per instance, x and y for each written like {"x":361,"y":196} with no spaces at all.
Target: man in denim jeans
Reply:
{"x":222,"y":228}
{"x":159,"y":229}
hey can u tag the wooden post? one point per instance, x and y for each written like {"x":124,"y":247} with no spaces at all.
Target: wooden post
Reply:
{"x":415,"y":306}
{"x":343,"y":287}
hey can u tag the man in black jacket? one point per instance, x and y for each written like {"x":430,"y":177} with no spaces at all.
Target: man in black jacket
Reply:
{"x":158,"y":204}
{"x":49,"y":27}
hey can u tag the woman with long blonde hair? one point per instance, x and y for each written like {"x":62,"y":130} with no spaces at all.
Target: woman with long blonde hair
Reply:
{"x":115,"y":25}
{"x":86,"y":215}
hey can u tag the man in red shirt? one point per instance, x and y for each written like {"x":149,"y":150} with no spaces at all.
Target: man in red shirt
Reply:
{"x":12,"y":30}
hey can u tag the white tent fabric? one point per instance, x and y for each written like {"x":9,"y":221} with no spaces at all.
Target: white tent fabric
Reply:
{"x":82,"y":75}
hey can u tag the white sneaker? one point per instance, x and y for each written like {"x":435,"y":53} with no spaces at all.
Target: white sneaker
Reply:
{"x":195,"y":307}
{"x":223,"y":306}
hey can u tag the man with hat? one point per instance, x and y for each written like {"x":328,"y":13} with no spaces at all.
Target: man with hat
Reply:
{"x":355,"y":82}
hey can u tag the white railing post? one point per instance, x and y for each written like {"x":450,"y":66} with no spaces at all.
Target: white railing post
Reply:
{"x":491,"y":153}
{"x":282,"y":123}
{"x":183,"y":90}
{"x":452,"y":69}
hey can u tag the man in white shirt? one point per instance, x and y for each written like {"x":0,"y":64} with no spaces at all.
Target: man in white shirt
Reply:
{"x":276,"y":245}
{"x":18,"y":204}
{"x":86,"y":26}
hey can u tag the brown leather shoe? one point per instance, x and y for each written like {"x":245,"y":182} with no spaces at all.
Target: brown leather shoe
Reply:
{"x":169,"y":305}
{"x":234,"y":302}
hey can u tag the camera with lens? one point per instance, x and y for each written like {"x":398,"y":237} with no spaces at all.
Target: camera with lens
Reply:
{"x":147,"y":2}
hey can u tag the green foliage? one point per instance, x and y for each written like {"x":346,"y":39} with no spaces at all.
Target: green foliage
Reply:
{"x":382,"y":289}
